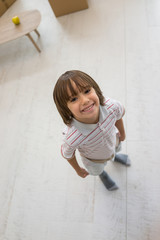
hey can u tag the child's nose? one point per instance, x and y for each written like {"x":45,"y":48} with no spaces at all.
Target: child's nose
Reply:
{"x":84,"y":99}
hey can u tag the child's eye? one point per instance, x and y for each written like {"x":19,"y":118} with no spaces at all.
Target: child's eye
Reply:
{"x":73,"y":99}
{"x":87,"y":90}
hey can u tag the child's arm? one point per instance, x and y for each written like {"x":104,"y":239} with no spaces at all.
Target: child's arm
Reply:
{"x":120,"y":126}
{"x":80,"y":171}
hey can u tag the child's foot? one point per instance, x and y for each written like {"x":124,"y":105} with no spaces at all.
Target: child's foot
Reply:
{"x":107,"y":181}
{"x":122,"y":158}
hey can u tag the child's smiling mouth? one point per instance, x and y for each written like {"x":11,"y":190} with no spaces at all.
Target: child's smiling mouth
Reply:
{"x":87,"y":109}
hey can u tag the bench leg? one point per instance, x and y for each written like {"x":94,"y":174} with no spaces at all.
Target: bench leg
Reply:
{"x":36,"y":31}
{"x":28,"y":35}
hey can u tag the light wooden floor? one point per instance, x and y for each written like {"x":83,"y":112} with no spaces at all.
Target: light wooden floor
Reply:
{"x":117,"y":42}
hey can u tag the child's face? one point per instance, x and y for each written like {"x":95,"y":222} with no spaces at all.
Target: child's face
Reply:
{"x":84,"y":105}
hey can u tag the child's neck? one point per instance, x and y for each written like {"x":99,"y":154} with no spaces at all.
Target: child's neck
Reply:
{"x":89,"y":121}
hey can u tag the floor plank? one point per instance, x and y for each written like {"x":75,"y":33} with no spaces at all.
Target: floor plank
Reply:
{"x":41,"y":197}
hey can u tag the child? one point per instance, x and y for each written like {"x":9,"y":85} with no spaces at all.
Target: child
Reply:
{"x":94,"y":125}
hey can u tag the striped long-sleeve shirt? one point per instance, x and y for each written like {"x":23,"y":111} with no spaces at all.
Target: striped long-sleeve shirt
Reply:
{"x":95,"y":141}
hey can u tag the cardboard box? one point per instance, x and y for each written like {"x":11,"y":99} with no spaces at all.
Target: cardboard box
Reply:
{"x":62,"y":7}
{"x":9,"y":2}
{"x":3,"y":8}
{"x":4,"y":5}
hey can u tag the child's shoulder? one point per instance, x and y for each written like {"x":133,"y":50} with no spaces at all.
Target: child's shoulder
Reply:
{"x":114,"y":106}
{"x":107,"y":101}
{"x":111,"y":102}
{"x":68,"y":130}
{"x":71,"y":133}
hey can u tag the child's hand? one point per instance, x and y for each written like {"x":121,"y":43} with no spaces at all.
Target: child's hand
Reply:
{"x":121,"y":136}
{"x":82,"y":173}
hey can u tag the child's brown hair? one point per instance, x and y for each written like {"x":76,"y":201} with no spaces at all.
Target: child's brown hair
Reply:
{"x":61,"y":96}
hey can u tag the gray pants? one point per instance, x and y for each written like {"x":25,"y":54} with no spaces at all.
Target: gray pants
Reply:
{"x":96,"y":169}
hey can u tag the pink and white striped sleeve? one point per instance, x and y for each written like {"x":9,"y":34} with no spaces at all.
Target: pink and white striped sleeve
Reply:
{"x":67,"y":151}
{"x":117,"y":107}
